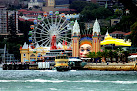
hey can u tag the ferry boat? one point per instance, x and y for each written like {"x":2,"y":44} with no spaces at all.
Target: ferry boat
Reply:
{"x":61,"y":62}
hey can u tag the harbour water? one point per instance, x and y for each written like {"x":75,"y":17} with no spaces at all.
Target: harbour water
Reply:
{"x":82,"y":80}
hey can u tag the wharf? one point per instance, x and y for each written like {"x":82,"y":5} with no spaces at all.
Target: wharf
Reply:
{"x":16,"y":66}
{"x":112,"y":66}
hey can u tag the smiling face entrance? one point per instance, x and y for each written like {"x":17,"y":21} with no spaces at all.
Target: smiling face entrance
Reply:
{"x":85,"y":49}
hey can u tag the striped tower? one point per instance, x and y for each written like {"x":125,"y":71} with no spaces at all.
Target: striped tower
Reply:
{"x":96,"y":36}
{"x":75,"y":39}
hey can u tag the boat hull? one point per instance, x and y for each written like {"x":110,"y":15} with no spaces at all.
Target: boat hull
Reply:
{"x":62,"y":68}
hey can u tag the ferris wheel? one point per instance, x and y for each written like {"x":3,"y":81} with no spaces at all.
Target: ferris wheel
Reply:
{"x":49,"y":25}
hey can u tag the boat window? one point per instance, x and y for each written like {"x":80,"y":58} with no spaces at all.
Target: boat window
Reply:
{"x":66,"y":57}
{"x":61,"y":62}
{"x":61,"y":57}
{"x":58,"y":57}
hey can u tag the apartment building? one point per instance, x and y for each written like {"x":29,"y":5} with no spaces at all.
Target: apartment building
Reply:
{"x":5,"y":19}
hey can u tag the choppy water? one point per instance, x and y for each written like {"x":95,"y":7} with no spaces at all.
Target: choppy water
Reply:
{"x":48,"y":80}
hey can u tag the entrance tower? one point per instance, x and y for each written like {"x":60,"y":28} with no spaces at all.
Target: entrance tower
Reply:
{"x":75,"y":39}
{"x":96,"y":36}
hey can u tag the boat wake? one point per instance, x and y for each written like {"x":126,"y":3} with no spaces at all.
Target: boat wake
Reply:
{"x":61,"y":81}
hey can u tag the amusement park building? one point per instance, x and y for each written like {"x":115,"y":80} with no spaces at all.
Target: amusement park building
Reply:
{"x":33,"y":3}
{"x":39,"y":53}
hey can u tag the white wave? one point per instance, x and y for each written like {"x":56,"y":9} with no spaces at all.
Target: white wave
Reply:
{"x":73,"y":70}
{"x":80,"y":81}
{"x":11,"y":81}
{"x":125,"y":82}
{"x":52,"y":88}
{"x":46,"y":70}
{"x":41,"y":80}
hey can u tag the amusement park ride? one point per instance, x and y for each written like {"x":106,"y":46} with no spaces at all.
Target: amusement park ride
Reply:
{"x":51,"y":29}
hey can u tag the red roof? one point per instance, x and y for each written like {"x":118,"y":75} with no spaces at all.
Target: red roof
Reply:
{"x":22,"y":10}
{"x":25,"y":13}
{"x":40,"y":11}
{"x":31,"y":20}
{"x":128,"y":33}
{"x":31,"y":11}
{"x":118,"y":32}
{"x":31,"y":15}
{"x":35,"y":11}
{"x":66,"y":10}
{"x":21,"y":19}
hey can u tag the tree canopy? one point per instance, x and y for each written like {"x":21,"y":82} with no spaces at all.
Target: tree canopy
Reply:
{"x":91,"y":13}
{"x":80,"y":5}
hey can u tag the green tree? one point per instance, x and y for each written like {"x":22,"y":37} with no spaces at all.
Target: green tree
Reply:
{"x":134,"y":34}
{"x":111,"y":55}
{"x":124,"y":24}
{"x":24,"y":27}
{"x":115,"y":53}
{"x":101,"y":13}
{"x":118,"y":12}
{"x":99,"y":55}
{"x":126,"y":54}
{"x":129,"y":4}
{"x":120,"y":51}
{"x":92,"y":55}
{"x":105,"y":54}
{"x":91,"y":13}
{"x":80,"y":5}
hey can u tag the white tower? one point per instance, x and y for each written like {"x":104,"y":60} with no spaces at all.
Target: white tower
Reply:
{"x":75,"y":39}
{"x":96,"y":35}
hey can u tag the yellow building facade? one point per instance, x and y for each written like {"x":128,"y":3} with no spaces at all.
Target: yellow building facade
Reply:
{"x":30,"y":55}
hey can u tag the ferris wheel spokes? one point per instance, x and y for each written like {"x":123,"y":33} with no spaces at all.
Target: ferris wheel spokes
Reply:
{"x":61,"y":25}
{"x":42,"y":40}
{"x":41,"y":30}
{"x":64,"y":37}
{"x":56,"y":20}
{"x":50,"y":25}
{"x":45,"y":41}
{"x":59,"y":22}
{"x":41,"y":33}
{"x":45,"y":24}
{"x":62,"y":29}
{"x":52,"y":19}
{"x":48,"y":21}
{"x":42,"y":26}
{"x":48,"y":43}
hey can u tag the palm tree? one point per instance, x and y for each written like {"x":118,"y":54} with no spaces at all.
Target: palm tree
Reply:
{"x":99,"y":55}
{"x":105,"y":54}
{"x":92,"y":55}
{"x":115,"y":53}
{"x":126,"y":54}
{"x":111,"y":55}
{"x":120,"y":50}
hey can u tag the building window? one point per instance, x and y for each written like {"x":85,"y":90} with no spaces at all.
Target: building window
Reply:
{"x":24,"y":55}
{"x":32,"y":55}
{"x":95,"y":34}
{"x":115,"y":21}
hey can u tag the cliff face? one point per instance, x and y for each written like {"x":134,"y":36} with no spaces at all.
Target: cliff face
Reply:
{"x":112,"y":66}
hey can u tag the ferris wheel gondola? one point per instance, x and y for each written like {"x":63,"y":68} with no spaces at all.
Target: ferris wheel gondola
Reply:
{"x":48,"y":25}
